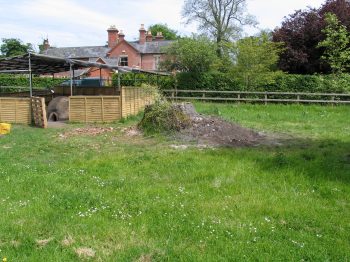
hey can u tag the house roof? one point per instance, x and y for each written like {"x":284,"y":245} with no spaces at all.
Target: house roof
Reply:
{"x":155,"y":47}
{"x":78,"y":52}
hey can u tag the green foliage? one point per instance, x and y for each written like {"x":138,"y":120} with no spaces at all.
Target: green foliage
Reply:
{"x":168,"y":33}
{"x":309,"y":83}
{"x":207,"y":81}
{"x":256,"y":60}
{"x":137,"y":79}
{"x":23,"y":81}
{"x":276,"y":82}
{"x":162,"y":117}
{"x":14,"y":47}
{"x":336,"y":44}
{"x":196,"y":54}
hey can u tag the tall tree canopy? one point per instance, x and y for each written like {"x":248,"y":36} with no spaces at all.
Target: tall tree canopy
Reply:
{"x":220,"y":19}
{"x":196,"y":54}
{"x":13,"y":47}
{"x":256,"y":59}
{"x":302,"y":31}
{"x":168,"y":33}
{"x":336,"y":45}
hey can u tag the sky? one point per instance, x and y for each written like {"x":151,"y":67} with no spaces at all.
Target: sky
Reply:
{"x":84,"y":23}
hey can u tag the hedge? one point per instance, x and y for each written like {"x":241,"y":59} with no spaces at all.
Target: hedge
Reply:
{"x":137,"y":79}
{"x":281,"y":82}
{"x":23,"y":81}
{"x":210,"y":81}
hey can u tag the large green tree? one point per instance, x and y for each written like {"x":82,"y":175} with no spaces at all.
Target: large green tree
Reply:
{"x":13,"y":47}
{"x":222,"y":20}
{"x":336,"y":44}
{"x":255,"y":59}
{"x":302,"y":31}
{"x":168,"y":33}
{"x":196,"y":54}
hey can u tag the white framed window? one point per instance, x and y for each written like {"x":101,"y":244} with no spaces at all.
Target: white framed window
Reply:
{"x":124,"y":61}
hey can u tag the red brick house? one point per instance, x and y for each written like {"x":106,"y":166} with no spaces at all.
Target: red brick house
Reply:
{"x":145,"y":53}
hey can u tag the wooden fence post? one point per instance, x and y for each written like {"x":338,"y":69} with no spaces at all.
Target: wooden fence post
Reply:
{"x":102,"y":109}
{"x":85,"y":103}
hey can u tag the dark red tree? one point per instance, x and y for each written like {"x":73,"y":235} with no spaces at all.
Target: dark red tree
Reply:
{"x":302,"y":31}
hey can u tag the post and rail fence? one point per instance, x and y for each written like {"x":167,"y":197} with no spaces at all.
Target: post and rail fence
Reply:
{"x":255,"y":96}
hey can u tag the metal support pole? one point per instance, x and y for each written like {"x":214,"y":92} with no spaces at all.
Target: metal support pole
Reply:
{"x":71,"y":79}
{"x":119,"y":80}
{"x":30,"y":77}
{"x":100,"y":77}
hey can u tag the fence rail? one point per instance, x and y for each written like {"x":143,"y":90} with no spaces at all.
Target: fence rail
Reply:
{"x":257,"y":96}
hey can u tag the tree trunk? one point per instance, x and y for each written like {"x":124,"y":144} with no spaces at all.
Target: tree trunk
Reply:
{"x":218,"y":48}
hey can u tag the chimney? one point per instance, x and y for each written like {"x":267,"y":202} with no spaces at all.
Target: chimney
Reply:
{"x":112,"y":36}
{"x":159,"y":36}
{"x":46,"y":45}
{"x":142,"y":31}
{"x":121,"y":36}
{"x":149,"y":36}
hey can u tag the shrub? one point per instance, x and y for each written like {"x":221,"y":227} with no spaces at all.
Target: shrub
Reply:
{"x":162,"y":117}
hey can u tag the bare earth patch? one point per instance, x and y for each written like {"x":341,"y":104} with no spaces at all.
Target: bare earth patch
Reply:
{"x":215,"y":131}
{"x":67,"y":241}
{"x":145,"y":258}
{"x":131,"y":131}
{"x":87,"y":131}
{"x":85,"y":252}
{"x":43,"y":242}
{"x":15,"y":243}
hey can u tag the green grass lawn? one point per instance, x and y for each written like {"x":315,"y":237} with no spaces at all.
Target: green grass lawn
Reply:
{"x":138,"y":199}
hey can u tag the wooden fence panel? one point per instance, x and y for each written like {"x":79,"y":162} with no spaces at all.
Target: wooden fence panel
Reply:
{"x":15,"y":110}
{"x":93,"y":109}
{"x":134,"y":100}
{"x":39,"y":111}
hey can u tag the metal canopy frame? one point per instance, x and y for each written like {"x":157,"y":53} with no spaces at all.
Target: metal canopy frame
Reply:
{"x":43,"y":64}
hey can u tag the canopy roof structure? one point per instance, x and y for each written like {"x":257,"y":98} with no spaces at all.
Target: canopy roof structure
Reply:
{"x":44,"y":64}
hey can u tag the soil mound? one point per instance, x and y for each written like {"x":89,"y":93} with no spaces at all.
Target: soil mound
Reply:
{"x":217,"y":131}
{"x":204,"y":130}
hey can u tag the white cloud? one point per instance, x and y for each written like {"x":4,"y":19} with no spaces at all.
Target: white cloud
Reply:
{"x":78,"y":22}
{"x":270,"y":13}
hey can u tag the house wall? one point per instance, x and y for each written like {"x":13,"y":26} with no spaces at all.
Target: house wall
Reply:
{"x":148,"y":62}
{"x":95,"y":72}
{"x":134,"y":58}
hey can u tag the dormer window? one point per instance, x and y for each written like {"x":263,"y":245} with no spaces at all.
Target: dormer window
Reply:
{"x":124,"y":61}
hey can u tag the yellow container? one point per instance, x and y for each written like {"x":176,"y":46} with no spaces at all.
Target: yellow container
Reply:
{"x":5,"y":128}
